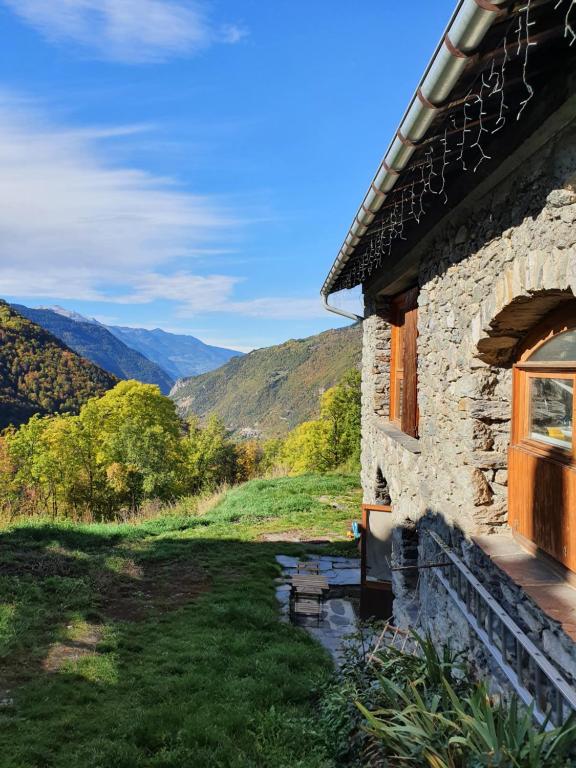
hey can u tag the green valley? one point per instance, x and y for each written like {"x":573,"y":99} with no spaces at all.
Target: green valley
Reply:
{"x":270,"y":391}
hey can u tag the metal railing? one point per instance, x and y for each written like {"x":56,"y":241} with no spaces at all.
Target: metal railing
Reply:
{"x":536,"y":681}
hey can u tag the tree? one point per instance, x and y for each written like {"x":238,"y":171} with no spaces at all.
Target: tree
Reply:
{"x":138,"y":435}
{"x":249,"y":456}
{"x":211,"y":456}
{"x":272,"y":455}
{"x":333,"y":440}
{"x":341,"y":407}
{"x":306,"y":448}
{"x":32,"y":474}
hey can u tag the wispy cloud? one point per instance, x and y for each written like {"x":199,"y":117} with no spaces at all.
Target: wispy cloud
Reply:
{"x":128,"y":30}
{"x":73,"y":227}
{"x":71,"y":223}
{"x":194,"y":295}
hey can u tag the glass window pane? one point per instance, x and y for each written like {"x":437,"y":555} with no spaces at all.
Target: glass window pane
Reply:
{"x":551,"y":408}
{"x":559,"y":348}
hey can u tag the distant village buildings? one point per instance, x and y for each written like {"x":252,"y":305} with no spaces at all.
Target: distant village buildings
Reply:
{"x":465,"y":248}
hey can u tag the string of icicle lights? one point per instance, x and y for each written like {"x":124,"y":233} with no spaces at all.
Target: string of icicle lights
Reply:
{"x":485,"y":110}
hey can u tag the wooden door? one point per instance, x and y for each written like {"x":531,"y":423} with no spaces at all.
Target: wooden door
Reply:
{"x":542,"y":503}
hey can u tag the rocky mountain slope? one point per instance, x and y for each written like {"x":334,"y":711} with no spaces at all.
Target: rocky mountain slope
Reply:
{"x":96,"y":343}
{"x":178,"y":354}
{"x":269,"y":391}
{"x":40,"y":374}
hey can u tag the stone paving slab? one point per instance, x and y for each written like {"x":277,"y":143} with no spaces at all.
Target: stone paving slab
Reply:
{"x":337,"y":625}
{"x":338,"y":571}
{"x":338,"y":621}
{"x":344,"y":577}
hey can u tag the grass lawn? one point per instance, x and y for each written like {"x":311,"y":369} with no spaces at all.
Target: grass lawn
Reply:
{"x":159,"y":644}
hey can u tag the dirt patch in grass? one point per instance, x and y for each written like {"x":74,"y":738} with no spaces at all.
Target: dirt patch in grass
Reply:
{"x":69,"y":651}
{"x":293,"y":536}
{"x":162,"y":586}
{"x":56,"y":561}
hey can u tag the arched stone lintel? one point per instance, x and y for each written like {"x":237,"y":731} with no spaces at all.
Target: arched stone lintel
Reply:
{"x":524,"y":294}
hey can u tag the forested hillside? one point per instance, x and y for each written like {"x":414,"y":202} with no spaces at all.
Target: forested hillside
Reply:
{"x":96,"y":343}
{"x":270,"y":391}
{"x":40,"y":374}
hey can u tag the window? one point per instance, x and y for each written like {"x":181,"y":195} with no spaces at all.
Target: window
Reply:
{"x":403,"y":363}
{"x":545,"y":385}
{"x":542,"y":454}
{"x":551,"y":408}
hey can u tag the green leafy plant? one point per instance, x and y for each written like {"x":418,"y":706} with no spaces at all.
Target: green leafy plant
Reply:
{"x":424,"y":708}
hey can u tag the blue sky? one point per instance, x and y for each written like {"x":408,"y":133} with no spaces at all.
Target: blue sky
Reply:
{"x":195,"y":165}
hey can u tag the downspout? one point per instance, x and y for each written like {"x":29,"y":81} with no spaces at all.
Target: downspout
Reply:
{"x":337,"y":311}
{"x":465,"y":31}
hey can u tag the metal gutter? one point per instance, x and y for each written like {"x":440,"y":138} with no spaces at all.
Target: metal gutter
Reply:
{"x":465,"y":31}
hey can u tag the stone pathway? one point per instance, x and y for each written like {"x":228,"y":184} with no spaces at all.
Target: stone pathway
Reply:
{"x":338,"y":620}
{"x":338,"y":571}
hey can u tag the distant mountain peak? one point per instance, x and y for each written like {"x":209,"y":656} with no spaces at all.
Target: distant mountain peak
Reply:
{"x":157,"y":356}
{"x":182,"y":355}
{"x":70,"y":314}
{"x":95,"y":342}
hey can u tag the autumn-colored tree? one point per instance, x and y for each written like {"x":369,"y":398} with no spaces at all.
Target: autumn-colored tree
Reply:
{"x":249,"y":456}
{"x":122,"y":448}
{"x":307,"y":449}
{"x":272,"y":455}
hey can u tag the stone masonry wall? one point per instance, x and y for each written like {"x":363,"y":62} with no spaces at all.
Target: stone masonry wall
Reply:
{"x":487,"y":277}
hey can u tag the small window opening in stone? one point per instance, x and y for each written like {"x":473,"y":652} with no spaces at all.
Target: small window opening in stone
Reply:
{"x":382,"y":492}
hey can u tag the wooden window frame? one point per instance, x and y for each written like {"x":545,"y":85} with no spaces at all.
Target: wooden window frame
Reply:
{"x":396,"y":372}
{"x":525,"y":371}
{"x":525,"y":376}
{"x":404,"y":362}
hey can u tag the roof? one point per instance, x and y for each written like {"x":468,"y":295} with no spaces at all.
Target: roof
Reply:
{"x":500,"y":69}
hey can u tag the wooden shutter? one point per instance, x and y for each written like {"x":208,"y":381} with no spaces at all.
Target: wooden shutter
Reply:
{"x":409,"y":419}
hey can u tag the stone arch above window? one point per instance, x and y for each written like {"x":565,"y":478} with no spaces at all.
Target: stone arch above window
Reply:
{"x":522,"y":296}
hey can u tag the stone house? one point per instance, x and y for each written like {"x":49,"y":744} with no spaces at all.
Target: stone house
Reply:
{"x":465,"y":248}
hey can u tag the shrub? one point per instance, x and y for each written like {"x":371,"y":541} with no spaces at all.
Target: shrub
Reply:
{"x":425,"y":709}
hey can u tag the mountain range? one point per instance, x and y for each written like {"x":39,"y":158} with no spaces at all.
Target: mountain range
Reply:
{"x":179,"y":355}
{"x":150,"y":356}
{"x":269,"y":391}
{"x":97,"y":344}
{"x":53,"y":360}
{"x":39,"y":373}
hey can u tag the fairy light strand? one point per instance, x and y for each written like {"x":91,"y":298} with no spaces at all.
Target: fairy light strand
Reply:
{"x":482,"y":113}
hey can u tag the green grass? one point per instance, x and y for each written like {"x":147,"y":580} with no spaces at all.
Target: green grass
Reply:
{"x":159,"y":644}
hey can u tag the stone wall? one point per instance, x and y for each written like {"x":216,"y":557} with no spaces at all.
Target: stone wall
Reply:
{"x":488,"y":275}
